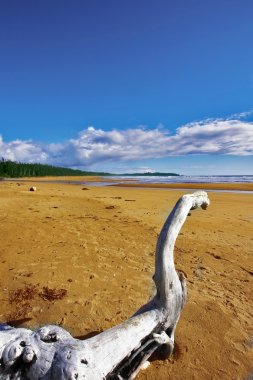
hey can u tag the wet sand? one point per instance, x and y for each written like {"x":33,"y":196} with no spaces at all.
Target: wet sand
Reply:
{"x":130,"y":182}
{"x":203,"y":186}
{"x":84,"y":259}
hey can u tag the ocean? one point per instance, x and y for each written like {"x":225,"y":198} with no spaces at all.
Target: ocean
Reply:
{"x":187,"y":179}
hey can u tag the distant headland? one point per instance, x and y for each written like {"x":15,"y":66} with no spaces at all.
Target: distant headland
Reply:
{"x":148,"y":174}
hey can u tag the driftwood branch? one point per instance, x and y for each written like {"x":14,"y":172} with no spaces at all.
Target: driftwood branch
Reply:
{"x":51,"y":353}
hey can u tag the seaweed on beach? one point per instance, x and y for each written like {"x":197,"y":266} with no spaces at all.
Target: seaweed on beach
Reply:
{"x":20,"y":298}
{"x":52,"y":294}
{"x":20,"y":295}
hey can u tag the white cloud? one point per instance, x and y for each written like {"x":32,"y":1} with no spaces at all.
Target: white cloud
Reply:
{"x":96,"y":146}
{"x":23,"y":151}
{"x":241,"y":115}
{"x":227,"y":137}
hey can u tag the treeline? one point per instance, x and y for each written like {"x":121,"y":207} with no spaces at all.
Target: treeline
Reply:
{"x":13,"y":169}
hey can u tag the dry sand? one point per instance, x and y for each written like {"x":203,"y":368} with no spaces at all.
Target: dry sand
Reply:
{"x":84,"y":259}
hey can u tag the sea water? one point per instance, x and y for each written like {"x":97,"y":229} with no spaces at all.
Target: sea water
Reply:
{"x":187,"y":179}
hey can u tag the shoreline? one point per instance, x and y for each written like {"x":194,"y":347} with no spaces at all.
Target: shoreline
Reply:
{"x":240,"y":186}
{"x":225,"y":186}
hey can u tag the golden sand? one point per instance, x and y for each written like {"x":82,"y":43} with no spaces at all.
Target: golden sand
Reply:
{"x":84,"y":259}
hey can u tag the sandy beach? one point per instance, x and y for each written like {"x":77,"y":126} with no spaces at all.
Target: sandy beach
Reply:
{"x":82,"y":257}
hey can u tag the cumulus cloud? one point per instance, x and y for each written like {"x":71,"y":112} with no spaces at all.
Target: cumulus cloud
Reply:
{"x":94,"y":146}
{"x":226,"y":137}
{"x":23,"y":151}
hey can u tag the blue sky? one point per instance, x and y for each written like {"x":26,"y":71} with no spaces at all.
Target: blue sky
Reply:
{"x":128,"y":85}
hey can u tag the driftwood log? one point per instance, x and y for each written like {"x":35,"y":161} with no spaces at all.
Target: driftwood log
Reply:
{"x":51,"y":353}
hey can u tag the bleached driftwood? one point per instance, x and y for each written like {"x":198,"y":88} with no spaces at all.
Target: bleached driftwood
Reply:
{"x":120,"y":352}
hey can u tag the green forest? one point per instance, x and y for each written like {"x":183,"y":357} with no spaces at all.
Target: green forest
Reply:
{"x":11,"y":169}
